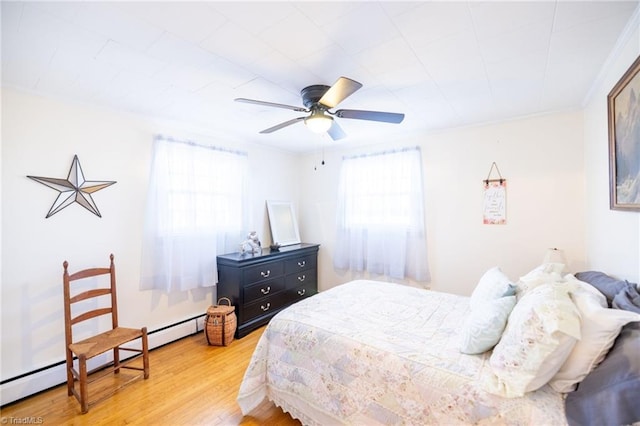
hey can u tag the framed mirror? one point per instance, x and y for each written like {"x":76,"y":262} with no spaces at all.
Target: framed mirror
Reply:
{"x":283,"y":223}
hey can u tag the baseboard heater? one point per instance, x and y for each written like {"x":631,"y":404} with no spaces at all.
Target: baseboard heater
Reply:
{"x":44,"y":378}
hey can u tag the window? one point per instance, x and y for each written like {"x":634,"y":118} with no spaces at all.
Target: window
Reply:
{"x":202,"y":192}
{"x":196,"y":209}
{"x":380,"y":222}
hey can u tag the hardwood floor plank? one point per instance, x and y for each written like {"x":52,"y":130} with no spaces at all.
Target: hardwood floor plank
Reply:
{"x":190,"y":383}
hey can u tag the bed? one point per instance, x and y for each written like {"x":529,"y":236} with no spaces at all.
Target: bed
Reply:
{"x":370,"y":352}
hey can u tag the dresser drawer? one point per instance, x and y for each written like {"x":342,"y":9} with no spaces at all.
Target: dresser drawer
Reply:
{"x":302,"y":284}
{"x":262,"y":289}
{"x":301,"y":278}
{"x":298,"y":293}
{"x":263,"y":271}
{"x":300,"y":263}
{"x":264,"y":306}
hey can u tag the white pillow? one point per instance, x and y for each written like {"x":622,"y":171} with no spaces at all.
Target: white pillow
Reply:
{"x":492,"y":285}
{"x":575,"y":285}
{"x":600,"y":327}
{"x":484,"y":327}
{"x":543,"y":274}
{"x":540,"y":334}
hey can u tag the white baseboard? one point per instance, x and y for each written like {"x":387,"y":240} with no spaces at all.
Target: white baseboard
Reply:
{"x":43,"y":379}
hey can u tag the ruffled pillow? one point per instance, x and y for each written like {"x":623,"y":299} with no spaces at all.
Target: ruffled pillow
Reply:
{"x":543,"y":274}
{"x":541,"y":332}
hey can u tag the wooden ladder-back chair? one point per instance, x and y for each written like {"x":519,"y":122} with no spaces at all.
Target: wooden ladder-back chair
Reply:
{"x":100,"y":343}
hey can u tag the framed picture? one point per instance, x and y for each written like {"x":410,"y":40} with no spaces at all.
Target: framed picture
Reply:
{"x":623,"y":105}
{"x":494,"y":208}
{"x":283,"y":223}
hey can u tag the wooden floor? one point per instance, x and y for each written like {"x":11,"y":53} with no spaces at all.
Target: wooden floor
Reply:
{"x":190,"y":383}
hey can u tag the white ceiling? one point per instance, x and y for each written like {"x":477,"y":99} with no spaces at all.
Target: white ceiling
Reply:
{"x":444,"y":64}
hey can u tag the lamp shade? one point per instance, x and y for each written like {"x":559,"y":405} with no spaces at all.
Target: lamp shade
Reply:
{"x":554,"y":255}
{"x":318,"y":122}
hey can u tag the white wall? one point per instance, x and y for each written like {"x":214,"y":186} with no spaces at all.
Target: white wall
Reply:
{"x":542,"y":160}
{"x":612,"y":236}
{"x":40,"y":137}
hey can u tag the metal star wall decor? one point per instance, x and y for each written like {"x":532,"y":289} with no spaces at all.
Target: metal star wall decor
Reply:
{"x":73,"y":189}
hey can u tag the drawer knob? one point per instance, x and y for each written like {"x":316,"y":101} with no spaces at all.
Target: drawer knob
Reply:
{"x":265,"y":274}
{"x":265,"y":290}
{"x":302,"y":292}
{"x":301,"y":264}
{"x":265,"y":308}
{"x":302,"y":278}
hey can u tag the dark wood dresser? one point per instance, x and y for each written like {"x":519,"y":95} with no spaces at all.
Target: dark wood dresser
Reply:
{"x":261,"y":285}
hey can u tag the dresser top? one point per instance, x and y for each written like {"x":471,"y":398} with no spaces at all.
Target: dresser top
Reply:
{"x":266,"y":254}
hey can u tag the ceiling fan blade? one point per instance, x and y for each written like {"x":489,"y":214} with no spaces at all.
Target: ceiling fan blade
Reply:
{"x":387,"y":117}
{"x":282,"y":125}
{"x":271,"y":104}
{"x":336,"y":132}
{"x":341,"y":90}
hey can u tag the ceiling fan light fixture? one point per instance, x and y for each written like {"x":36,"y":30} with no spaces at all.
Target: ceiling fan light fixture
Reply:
{"x":318,"y":123}
{"x":318,"y":99}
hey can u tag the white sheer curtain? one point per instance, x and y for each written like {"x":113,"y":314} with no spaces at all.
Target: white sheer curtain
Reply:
{"x":196,"y":209}
{"x":380,"y":217}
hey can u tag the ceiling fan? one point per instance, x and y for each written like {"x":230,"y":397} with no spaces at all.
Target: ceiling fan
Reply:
{"x":318,"y":99}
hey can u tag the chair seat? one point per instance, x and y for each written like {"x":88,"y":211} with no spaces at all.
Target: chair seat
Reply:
{"x":105,"y":341}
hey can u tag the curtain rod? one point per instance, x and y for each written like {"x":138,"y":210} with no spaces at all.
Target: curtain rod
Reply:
{"x":199,"y":145}
{"x":391,"y":151}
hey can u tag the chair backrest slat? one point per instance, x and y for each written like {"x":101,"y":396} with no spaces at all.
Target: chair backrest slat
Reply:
{"x":86,"y":273}
{"x":90,"y":314}
{"x":90,"y":294}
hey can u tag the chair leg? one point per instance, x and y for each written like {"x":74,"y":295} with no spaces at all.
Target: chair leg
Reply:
{"x":145,"y":353}
{"x":69,"y":362}
{"x":84,"y":394}
{"x":116,"y":359}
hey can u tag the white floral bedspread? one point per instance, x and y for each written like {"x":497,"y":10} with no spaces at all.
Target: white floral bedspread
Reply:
{"x":369,"y":352}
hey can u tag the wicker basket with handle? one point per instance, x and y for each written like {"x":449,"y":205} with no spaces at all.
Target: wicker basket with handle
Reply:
{"x":220,"y":324}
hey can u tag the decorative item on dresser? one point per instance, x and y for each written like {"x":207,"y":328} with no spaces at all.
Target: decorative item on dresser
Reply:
{"x":263,"y":284}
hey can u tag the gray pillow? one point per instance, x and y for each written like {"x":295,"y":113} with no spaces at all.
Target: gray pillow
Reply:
{"x":628,"y":299}
{"x":609,"y":394}
{"x":607,"y":285}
